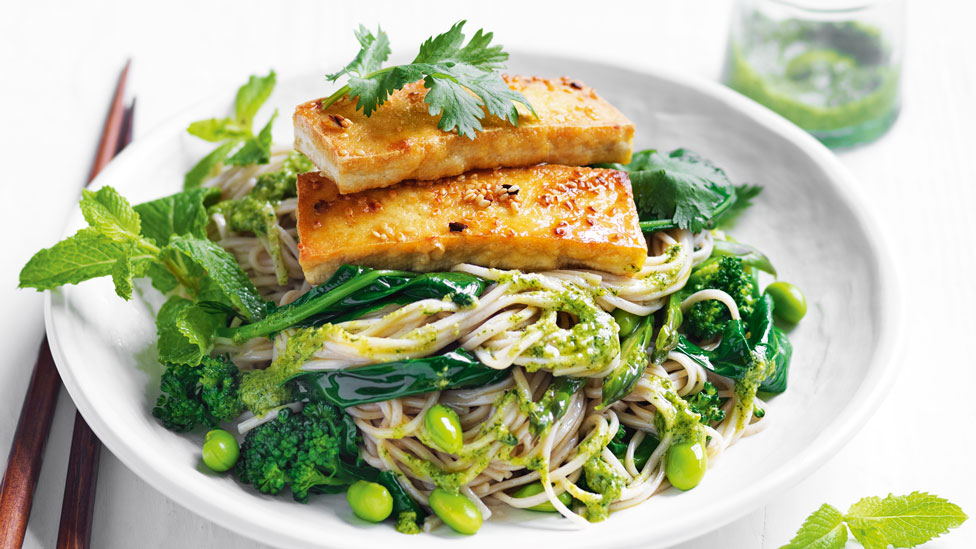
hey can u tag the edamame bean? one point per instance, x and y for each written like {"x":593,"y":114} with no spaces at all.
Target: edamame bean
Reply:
{"x":370,"y":501}
{"x":789,"y":302}
{"x":534,"y":488}
{"x":686,"y":464}
{"x":626,"y":321}
{"x":444,"y":428}
{"x":456,"y":511}
{"x":220,"y":450}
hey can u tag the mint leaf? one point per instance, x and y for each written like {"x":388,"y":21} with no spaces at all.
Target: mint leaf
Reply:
{"x":224,"y":271}
{"x":256,"y":150}
{"x":87,"y":254}
{"x":251,"y":96}
{"x":180,"y":213}
{"x":218,"y":129}
{"x":185,"y":331}
{"x":374,"y":51}
{"x":824,"y":529}
{"x":462,"y":79}
{"x":110,"y":214}
{"x":902,"y":521}
{"x":208,"y":166}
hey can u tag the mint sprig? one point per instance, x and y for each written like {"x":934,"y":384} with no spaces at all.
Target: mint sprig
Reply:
{"x":239,"y":146}
{"x":896,"y":521}
{"x":462,"y":79}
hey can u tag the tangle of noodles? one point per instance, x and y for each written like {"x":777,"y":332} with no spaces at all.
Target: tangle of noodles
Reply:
{"x":516,"y":312}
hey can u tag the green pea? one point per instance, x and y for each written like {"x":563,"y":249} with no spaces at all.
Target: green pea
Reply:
{"x":444,"y":428}
{"x":626,"y":321}
{"x":220,"y":450}
{"x":788,"y":300}
{"x":370,"y":501}
{"x":686,"y":464}
{"x":534,"y":488}
{"x":456,"y":511}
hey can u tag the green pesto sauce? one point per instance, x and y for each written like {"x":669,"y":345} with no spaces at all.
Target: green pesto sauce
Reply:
{"x":747,"y":387}
{"x":262,"y":390}
{"x":822,"y":76}
{"x":603,"y":480}
{"x":407,"y":523}
{"x":681,"y":421}
{"x":591,"y":342}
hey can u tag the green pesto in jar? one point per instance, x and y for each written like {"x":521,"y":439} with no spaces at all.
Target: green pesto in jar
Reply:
{"x":837,"y":80}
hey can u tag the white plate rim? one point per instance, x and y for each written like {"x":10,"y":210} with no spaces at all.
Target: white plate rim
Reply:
{"x":882,"y":370}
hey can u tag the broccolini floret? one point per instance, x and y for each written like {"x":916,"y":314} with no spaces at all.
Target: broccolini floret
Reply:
{"x":198,"y":395}
{"x":707,"y":319}
{"x":707,"y":404}
{"x":314,"y":450}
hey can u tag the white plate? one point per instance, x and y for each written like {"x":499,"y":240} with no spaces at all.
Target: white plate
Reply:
{"x":807,"y":220}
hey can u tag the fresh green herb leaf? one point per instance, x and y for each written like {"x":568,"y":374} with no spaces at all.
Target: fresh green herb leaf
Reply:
{"x":374,"y":51}
{"x":744,"y":194}
{"x":902,"y":521}
{"x":185,"y":331}
{"x":208,"y":166}
{"x":183,"y":213}
{"x":256,"y":150}
{"x":824,"y":529}
{"x":224,"y":271}
{"x":461,"y":79}
{"x":216,"y":130}
{"x":251,"y":96}
{"x":110,"y":214}
{"x":87,"y":254}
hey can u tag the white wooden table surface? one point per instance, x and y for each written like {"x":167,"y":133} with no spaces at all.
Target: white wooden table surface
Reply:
{"x":59,"y":61}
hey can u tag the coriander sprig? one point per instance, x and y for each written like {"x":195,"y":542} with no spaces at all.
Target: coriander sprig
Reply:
{"x":462,"y":79}
{"x":897,"y":521}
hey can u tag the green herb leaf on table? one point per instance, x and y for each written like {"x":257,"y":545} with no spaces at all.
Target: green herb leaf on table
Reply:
{"x":462,"y":79}
{"x":902,"y":521}
{"x":824,"y":529}
{"x":894,"y":521}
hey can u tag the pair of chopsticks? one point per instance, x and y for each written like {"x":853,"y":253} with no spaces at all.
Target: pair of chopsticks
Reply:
{"x":30,"y":438}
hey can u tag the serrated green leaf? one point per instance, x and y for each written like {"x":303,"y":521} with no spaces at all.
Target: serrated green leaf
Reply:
{"x":128,"y":267}
{"x":208,"y":166}
{"x":824,"y":529}
{"x":185,"y":331}
{"x":251,"y":96}
{"x":374,"y":51}
{"x":110,"y":214}
{"x":87,"y":254}
{"x":161,"y":278}
{"x":448,"y":48}
{"x":180,"y":213}
{"x":744,"y":194}
{"x":223,"y":270}
{"x":902,"y":521}
{"x":256,"y":150}
{"x":457,"y":108}
{"x":218,"y":129}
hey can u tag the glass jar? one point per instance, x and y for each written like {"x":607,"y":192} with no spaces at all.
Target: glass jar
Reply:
{"x":831,"y":67}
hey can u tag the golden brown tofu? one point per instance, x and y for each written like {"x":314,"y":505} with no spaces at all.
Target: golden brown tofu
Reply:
{"x":543,"y":217}
{"x":401,"y":141}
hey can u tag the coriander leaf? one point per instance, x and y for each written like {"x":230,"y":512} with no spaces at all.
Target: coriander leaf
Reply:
{"x":824,"y":529}
{"x":447,"y":48}
{"x":109,"y":213}
{"x":87,"y":254}
{"x":680,"y":186}
{"x":224,"y":271}
{"x":185,"y":331}
{"x":256,"y":150}
{"x":373,"y":53}
{"x":208,"y":166}
{"x":251,"y":96}
{"x":180,"y":213}
{"x":218,"y":129}
{"x":902,"y":521}
{"x":742,"y":200}
{"x":461,"y":79}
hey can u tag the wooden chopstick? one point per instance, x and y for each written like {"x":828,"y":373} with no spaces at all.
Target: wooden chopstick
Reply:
{"x":78,"y":505}
{"x":34,"y":425}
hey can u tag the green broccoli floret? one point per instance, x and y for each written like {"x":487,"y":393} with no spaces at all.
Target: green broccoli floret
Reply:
{"x":707,"y":319}
{"x":309,"y":451}
{"x":707,"y":404}
{"x":198,"y":395}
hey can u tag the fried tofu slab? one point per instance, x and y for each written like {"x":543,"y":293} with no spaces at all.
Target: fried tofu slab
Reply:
{"x":538,"y":218}
{"x":400,"y":140}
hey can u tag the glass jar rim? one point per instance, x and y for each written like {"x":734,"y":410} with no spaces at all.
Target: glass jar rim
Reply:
{"x":838,"y":7}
